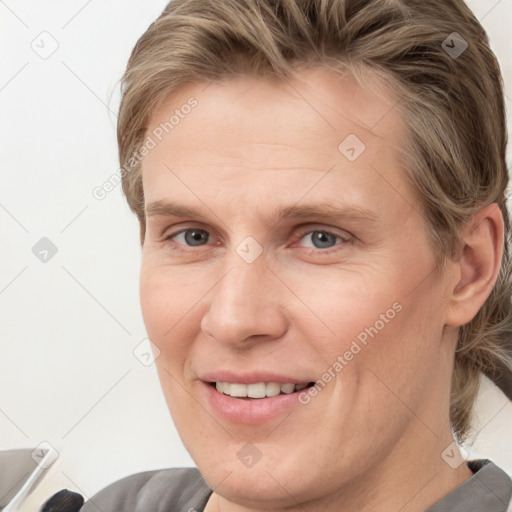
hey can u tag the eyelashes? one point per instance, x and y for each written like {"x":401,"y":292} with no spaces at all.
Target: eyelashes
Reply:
{"x":191,"y":238}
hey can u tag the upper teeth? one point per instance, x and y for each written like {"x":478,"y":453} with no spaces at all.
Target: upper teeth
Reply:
{"x":258,"y":390}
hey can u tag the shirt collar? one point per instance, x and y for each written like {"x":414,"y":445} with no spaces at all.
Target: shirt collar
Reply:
{"x":489,"y":490}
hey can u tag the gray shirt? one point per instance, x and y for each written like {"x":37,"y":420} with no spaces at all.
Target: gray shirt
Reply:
{"x":184,"y":490}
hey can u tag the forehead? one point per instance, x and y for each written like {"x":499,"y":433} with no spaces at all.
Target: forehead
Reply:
{"x":276,"y":134}
{"x":316,"y":96}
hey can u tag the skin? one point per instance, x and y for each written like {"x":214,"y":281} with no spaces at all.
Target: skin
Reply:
{"x":372,"y":438}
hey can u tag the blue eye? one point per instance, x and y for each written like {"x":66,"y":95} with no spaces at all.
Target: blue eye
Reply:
{"x":322,"y":239}
{"x":193,"y":237}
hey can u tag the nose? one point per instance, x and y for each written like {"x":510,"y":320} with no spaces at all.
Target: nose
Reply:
{"x":246,"y":305}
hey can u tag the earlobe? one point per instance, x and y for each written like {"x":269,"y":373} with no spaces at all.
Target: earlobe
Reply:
{"x":478,"y":266}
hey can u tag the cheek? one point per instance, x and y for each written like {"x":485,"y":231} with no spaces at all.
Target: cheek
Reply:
{"x":172,"y":309}
{"x":335,"y":306}
{"x":155,"y":302}
{"x":161,"y":309}
{"x":393,"y":325}
{"x":401,"y":358}
{"x":165,"y":298}
{"x":166,"y":305}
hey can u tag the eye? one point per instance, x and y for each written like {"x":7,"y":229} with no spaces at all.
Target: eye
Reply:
{"x":191,"y":237}
{"x":321,"y":239}
{"x":313,"y":239}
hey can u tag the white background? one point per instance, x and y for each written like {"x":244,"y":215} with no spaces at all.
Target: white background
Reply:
{"x":68,"y":329}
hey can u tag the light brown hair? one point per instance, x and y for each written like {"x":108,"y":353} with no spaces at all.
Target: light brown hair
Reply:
{"x":452,"y":106}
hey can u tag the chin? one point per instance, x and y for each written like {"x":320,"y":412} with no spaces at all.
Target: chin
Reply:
{"x":258,"y":488}
{"x":275,"y":481}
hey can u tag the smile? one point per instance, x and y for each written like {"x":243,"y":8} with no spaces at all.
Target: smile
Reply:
{"x":258,"y":389}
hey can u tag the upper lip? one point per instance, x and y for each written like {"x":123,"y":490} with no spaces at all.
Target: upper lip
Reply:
{"x":251,"y":377}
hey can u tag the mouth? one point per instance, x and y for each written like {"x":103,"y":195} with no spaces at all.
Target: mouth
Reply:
{"x":253,"y":398}
{"x":259,"y":390}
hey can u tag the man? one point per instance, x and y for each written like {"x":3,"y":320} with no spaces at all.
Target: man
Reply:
{"x":325,"y":271}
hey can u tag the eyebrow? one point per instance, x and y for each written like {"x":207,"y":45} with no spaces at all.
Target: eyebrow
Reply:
{"x":324,"y":211}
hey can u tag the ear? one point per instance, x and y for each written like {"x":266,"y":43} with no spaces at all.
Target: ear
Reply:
{"x":478,"y":267}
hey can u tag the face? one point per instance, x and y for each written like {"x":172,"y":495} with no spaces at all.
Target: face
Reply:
{"x":285,"y":247}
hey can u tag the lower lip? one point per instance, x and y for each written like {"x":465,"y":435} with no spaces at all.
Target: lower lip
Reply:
{"x":250,"y":411}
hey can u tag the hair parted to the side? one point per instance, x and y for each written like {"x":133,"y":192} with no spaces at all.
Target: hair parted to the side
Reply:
{"x":452,"y":108}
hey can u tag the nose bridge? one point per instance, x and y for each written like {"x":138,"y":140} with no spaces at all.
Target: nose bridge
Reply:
{"x":244,"y":302}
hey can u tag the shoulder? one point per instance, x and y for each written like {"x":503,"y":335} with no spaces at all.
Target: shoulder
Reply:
{"x":489,"y":489}
{"x":158,"y":491}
